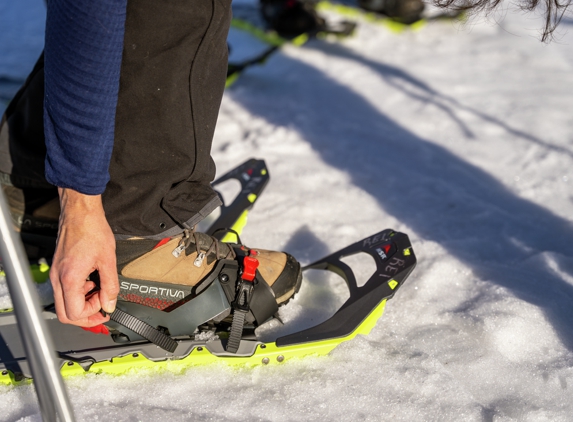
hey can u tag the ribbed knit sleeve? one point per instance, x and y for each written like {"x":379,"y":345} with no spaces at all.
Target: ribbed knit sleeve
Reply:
{"x":83,"y":47}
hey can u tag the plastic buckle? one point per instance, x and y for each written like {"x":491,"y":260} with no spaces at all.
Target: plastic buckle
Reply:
{"x":98,"y":329}
{"x":250,"y":265}
{"x":243,"y":299}
{"x":246,"y":285}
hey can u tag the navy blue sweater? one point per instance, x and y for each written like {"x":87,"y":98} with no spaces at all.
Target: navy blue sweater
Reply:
{"x":84,"y":42}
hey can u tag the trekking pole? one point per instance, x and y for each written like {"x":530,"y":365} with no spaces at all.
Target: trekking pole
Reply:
{"x":50,"y":389}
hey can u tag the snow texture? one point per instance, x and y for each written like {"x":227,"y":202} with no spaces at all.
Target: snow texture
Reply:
{"x":460,"y":136}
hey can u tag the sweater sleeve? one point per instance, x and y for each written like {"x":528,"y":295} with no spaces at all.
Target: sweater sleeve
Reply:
{"x":83,"y":48}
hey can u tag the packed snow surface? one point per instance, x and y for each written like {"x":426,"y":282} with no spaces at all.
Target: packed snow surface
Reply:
{"x":460,"y":136}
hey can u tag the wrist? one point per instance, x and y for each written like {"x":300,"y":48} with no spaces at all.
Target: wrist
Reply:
{"x":72,"y":200}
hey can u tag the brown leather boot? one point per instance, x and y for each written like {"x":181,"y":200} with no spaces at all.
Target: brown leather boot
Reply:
{"x":178,"y":286}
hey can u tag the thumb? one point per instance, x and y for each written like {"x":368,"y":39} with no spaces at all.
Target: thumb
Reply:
{"x":109,"y":287}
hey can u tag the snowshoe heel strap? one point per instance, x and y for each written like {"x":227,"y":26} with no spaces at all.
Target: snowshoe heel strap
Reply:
{"x":236,"y":331}
{"x":144,"y":330}
{"x":261,"y":303}
{"x":241,"y":304}
{"x":253,"y":296}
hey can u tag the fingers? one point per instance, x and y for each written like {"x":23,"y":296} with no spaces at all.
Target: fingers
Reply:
{"x":88,"y":287}
{"x":109,"y":287}
{"x":91,"y":321}
{"x":77,"y":309}
{"x":75,"y":302}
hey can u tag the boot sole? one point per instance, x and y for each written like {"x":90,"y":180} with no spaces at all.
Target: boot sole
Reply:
{"x":286,"y":298}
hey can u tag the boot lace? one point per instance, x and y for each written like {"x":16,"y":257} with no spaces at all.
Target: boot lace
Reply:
{"x":190,"y":235}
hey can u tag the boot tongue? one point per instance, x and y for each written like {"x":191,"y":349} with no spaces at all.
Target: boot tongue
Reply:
{"x":206,"y":244}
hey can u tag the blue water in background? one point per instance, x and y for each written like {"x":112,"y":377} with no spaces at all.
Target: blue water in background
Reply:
{"x":22,"y":26}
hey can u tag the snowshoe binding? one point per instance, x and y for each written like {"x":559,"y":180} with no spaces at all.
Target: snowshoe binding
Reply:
{"x":169,"y":289}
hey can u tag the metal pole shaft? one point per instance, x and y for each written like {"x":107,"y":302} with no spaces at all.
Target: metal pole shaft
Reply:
{"x":50,"y":389}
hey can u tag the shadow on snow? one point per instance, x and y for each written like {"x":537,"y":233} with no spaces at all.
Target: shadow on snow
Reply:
{"x":443,"y":198}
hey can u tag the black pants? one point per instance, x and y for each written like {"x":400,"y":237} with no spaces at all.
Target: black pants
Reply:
{"x":173,"y":75}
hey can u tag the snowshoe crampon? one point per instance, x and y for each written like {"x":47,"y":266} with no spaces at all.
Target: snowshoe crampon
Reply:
{"x":208,"y":317}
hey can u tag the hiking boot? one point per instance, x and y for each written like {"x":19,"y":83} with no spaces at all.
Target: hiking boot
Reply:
{"x":180,"y":283}
{"x":404,"y":11}
{"x":290,"y":18}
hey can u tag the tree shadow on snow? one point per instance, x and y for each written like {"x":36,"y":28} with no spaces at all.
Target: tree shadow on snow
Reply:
{"x":420,"y":91}
{"x":439,"y":195}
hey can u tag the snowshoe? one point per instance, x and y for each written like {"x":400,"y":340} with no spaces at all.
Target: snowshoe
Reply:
{"x":396,"y":15}
{"x":214,"y":319}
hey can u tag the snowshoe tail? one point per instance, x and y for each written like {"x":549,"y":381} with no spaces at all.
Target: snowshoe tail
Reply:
{"x":394,"y":259}
{"x":253,"y":177}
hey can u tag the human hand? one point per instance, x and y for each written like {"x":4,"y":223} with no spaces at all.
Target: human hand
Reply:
{"x":85,"y":244}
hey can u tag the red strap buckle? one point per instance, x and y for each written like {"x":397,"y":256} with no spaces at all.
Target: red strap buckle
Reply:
{"x":98,"y":329}
{"x":250,"y":265}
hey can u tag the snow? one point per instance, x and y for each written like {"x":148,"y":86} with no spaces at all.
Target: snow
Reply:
{"x":460,"y":136}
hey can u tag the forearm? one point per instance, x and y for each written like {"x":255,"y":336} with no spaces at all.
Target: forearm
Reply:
{"x":84,"y":43}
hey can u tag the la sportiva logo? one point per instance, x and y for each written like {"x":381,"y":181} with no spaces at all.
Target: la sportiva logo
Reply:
{"x":151,"y":290}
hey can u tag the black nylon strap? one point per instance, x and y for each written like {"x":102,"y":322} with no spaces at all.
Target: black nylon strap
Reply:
{"x":236,"y":331}
{"x":144,"y":330}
